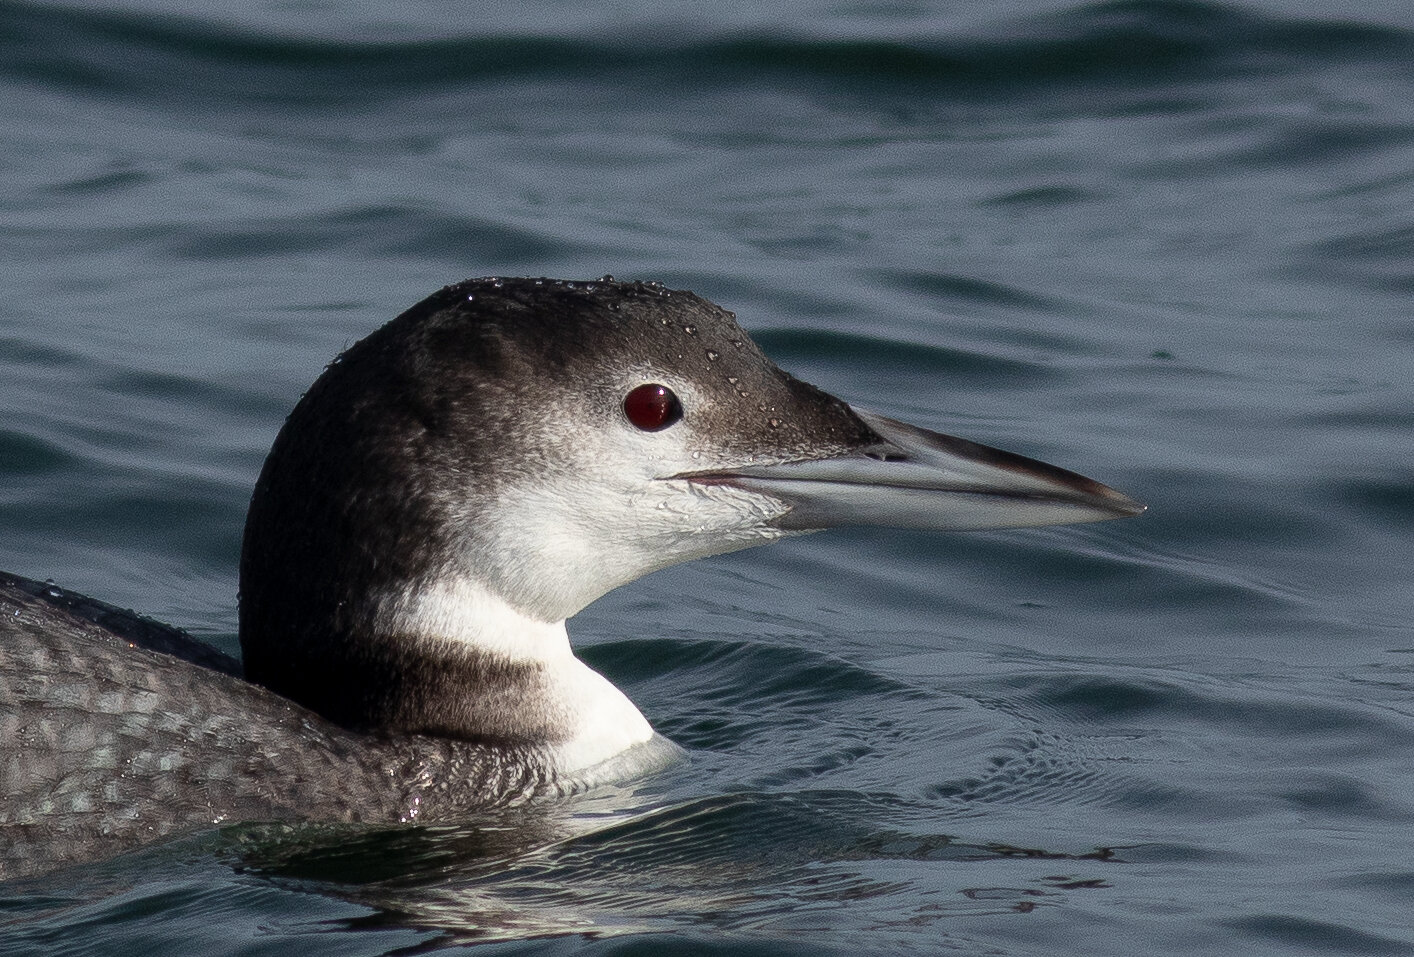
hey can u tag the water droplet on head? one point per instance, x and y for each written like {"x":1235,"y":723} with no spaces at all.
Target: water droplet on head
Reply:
{"x":739,"y":343}
{"x":774,"y":423}
{"x":690,"y":329}
{"x":606,"y":278}
{"x":539,"y":282}
{"x":498,"y":283}
{"x":697,"y":455}
{"x":733,"y":379}
{"x":712,"y":356}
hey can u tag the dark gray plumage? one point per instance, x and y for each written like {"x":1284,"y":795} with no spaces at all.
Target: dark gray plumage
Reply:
{"x":106,"y":743}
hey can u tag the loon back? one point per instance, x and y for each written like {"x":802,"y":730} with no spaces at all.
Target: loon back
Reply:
{"x":117,"y":730}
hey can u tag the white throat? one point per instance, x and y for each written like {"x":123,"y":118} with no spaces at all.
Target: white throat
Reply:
{"x":599,"y":721}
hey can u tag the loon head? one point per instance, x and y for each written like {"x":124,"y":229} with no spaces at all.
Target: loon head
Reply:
{"x":463,"y":480}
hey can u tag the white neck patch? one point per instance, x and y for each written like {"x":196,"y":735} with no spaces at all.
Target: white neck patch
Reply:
{"x":464,"y":610}
{"x":602,"y":721}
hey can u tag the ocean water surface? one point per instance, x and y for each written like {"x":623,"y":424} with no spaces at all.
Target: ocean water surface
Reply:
{"x":1167,"y":244}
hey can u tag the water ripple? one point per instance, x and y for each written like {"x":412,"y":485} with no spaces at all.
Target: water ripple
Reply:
{"x":1111,"y":43}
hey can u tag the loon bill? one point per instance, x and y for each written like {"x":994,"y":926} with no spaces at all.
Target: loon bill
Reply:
{"x":449,"y":492}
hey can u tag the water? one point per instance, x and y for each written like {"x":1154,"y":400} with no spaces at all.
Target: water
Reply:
{"x":1167,"y":244}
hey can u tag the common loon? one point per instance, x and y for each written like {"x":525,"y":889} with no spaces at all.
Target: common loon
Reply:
{"x":451,"y":490}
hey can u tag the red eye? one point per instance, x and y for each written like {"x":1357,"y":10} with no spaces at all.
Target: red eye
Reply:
{"x":652,"y":407}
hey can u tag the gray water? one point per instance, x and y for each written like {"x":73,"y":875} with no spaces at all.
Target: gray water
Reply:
{"x":1170,"y":245}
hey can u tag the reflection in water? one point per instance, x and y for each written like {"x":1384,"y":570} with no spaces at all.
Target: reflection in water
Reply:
{"x":616,"y":862}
